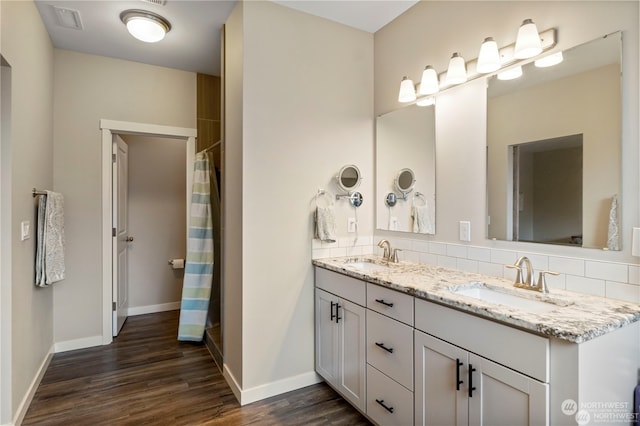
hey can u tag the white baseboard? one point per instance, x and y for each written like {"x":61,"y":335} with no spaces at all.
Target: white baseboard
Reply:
{"x":268,"y":390}
{"x":151,"y":309}
{"x":72,"y":345}
{"x":31,"y":391}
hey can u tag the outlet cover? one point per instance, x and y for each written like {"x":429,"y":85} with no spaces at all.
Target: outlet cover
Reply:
{"x":25,"y":230}
{"x":393,"y":223}
{"x":635,"y":242}
{"x":351,"y":224}
{"x":465,"y":230}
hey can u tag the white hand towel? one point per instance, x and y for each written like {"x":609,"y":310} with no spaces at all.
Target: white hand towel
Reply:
{"x":40,"y":276}
{"x":325,"y":224}
{"x":422,"y":223}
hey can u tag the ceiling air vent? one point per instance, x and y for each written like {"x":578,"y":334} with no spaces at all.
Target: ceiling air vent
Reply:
{"x":158,"y":2}
{"x":68,"y":18}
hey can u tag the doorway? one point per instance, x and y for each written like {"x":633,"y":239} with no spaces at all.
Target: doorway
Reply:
{"x":110,"y":128}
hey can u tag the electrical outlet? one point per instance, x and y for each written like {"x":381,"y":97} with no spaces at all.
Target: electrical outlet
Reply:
{"x":352,"y":224}
{"x":25,"y":230}
{"x":393,"y":223}
{"x":465,"y":230}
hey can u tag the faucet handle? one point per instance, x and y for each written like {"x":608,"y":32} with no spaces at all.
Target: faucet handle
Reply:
{"x":394,"y":257}
{"x":542,"y":282}
{"x":518,"y":273}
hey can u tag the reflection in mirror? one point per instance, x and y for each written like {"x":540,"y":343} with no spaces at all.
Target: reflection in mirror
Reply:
{"x":405,"y":162}
{"x":554,"y":149}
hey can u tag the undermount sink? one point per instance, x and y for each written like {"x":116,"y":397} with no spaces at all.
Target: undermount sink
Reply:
{"x":509,"y":298}
{"x":366,"y":264}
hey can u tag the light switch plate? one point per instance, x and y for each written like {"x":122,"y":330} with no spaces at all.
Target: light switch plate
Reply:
{"x":25,"y":230}
{"x":465,"y":230}
{"x":635,"y":242}
{"x":351,"y":224}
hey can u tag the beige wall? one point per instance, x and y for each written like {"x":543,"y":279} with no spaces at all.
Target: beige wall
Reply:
{"x":575,"y":105}
{"x":26,"y":46}
{"x":428,"y":34}
{"x":89,"y":88}
{"x":157,"y":219}
{"x":307,"y":96}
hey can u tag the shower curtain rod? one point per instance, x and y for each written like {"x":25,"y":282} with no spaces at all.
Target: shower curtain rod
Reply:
{"x":211,"y":147}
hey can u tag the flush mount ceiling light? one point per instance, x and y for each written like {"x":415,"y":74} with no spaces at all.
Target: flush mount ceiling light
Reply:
{"x":549,"y":61}
{"x":528,"y":43}
{"x":144,"y":25}
{"x":429,"y":83}
{"x":489,"y":57}
{"x":457,"y":71}
{"x":407,"y":90}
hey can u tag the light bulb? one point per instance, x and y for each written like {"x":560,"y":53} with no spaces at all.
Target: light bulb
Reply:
{"x":528,"y":43}
{"x":429,"y":83}
{"x":407,"y":90}
{"x":457,"y":72}
{"x":489,"y":57}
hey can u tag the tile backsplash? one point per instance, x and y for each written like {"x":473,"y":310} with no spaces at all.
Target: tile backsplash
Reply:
{"x":606,"y":279}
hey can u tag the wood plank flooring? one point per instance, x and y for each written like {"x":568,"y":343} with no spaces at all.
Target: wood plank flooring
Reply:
{"x":147,"y":377}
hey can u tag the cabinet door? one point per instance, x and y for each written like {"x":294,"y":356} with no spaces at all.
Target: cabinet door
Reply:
{"x":504,"y":397}
{"x":439,"y":398}
{"x":351,"y":348}
{"x":326,"y":336}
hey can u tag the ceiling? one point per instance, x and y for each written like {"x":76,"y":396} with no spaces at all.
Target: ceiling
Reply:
{"x":193,"y":44}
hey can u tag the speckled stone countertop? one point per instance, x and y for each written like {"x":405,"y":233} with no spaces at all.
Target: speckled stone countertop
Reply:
{"x":570,"y":316}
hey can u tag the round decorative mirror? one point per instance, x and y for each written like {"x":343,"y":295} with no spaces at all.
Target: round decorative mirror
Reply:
{"x":349,"y":178}
{"x":405,"y":181}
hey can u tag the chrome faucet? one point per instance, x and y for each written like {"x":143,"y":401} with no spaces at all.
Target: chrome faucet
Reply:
{"x":386,"y":245}
{"x":527,"y":283}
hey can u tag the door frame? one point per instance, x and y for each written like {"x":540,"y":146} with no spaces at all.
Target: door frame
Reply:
{"x":108,"y":129}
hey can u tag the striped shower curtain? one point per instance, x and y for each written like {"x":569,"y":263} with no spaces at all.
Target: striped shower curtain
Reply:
{"x":198,"y":273}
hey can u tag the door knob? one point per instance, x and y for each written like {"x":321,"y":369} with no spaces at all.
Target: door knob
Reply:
{"x":129,"y":239}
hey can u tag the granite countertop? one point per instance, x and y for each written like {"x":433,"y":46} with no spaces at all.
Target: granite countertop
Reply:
{"x":570,"y":316}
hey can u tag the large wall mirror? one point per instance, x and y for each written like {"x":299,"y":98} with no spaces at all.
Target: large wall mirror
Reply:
{"x":405,"y":170}
{"x":554,"y":149}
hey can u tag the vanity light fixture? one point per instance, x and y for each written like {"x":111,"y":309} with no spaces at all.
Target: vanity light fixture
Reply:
{"x":144,"y":25}
{"x":489,"y":57}
{"x":407,"y":90}
{"x":429,"y":83}
{"x":528,"y":42}
{"x":510,"y":74}
{"x":549,"y":61}
{"x":457,"y":71}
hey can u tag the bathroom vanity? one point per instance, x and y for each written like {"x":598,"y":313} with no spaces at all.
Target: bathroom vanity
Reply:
{"x":408,"y":343}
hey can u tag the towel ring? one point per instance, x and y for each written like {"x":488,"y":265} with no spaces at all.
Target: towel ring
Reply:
{"x":421,"y":197}
{"x":323,"y":195}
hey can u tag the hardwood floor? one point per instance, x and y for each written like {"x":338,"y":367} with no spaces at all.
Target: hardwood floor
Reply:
{"x":147,"y":377}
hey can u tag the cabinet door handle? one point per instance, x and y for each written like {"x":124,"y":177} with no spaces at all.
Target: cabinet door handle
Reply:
{"x":338,"y":317}
{"x":381,"y":402}
{"x":389,"y":304}
{"x":471,"y":388}
{"x":458,"y":381}
{"x":382,"y":346}
{"x":332,"y":314}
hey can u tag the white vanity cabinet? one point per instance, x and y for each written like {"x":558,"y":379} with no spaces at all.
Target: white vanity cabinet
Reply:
{"x":454,"y":384}
{"x":340,"y":334}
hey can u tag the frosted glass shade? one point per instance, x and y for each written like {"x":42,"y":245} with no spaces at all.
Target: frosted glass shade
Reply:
{"x":489,"y":57}
{"x":528,"y":43}
{"x":549,"y":61}
{"x":457,"y":71}
{"x":510,"y":74}
{"x":145,"y":26}
{"x":428,"y":101}
{"x":407,"y":91}
{"x":429,"y":83}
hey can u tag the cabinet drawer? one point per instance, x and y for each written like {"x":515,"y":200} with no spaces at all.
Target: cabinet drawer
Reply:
{"x":395,"y":359}
{"x":396,"y":398}
{"x":516,"y":349}
{"x":341,"y":285}
{"x":390,"y":303}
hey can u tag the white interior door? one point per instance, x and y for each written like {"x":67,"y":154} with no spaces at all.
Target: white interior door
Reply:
{"x":121,"y":238}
